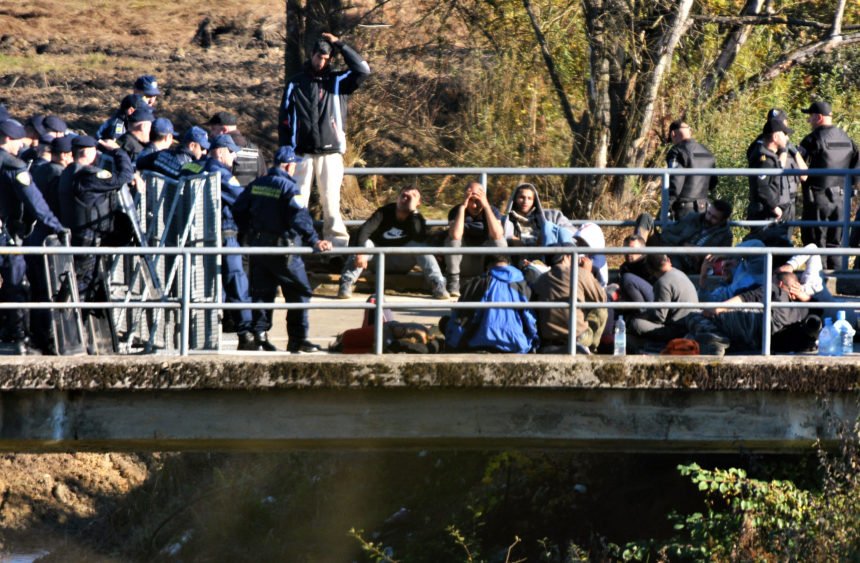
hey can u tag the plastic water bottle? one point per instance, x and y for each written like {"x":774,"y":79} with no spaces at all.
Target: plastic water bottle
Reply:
{"x":827,"y":338}
{"x":845,"y":332}
{"x":620,"y":337}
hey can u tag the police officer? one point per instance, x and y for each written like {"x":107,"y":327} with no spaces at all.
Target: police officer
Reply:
{"x":136,"y":138}
{"x":160,"y":138}
{"x":279,"y":218}
{"x":249,"y":164}
{"x":146,"y":87}
{"x":116,"y":126}
{"x":826,"y":146}
{"x":21,"y":203}
{"x":688,"y":194}
{"x":192,"y":147}
{"x":47,"y":176}
{"x":770,"y":196}
{"x":88,"y":204}
{"x":222,"y":154}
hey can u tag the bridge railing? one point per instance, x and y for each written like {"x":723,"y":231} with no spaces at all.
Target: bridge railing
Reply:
{"x":185,"y":303}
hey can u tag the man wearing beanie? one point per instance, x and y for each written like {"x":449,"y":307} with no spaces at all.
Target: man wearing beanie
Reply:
{"x":312,"y":120}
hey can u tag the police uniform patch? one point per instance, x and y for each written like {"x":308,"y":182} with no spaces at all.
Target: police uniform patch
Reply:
{"x":23,"y":178}
{"x":104,"y":175}
{"x":234,"y":182}
{"x":763,"y":158}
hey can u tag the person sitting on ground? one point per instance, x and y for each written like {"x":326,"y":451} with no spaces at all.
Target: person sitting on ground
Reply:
{"x":812,"y":282}
{"x":709,"y":228}
{"x":493,"y":330}
{"x":472,"y":223}
{"x":671,"y":286}
{"x":634,"y":274}
{"x":395,"y":224}
{"x":792,"y":330}
{"x":527,"y":223}
{"x":554,"y":286}
{"x":740,"y":274}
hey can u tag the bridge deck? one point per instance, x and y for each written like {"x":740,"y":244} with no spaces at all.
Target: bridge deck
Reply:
{"x":398,"y":401}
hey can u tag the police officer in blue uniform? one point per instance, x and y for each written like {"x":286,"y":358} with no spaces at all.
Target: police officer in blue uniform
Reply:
{"x":88,"y":204}
{"x":169,"y":162}
{"x":222,"y":153}
{"x":279,"y":219}
{"x":21,"y":203}
{"x":116,"y":126}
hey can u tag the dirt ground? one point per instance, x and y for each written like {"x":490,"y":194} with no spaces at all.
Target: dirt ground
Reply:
{"x":77,"y":59}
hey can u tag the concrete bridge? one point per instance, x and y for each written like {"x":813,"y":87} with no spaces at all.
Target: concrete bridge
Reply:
{"x":261,"y":402}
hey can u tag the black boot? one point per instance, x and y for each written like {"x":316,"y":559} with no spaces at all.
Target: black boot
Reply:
{"x":248,"y":342}
{"x":263,"y":344}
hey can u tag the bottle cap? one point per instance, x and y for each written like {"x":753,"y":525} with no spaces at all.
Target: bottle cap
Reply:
{"x":840,"y":316}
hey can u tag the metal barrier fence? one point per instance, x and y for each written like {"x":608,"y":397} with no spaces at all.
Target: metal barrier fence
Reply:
{"x":185,"y":304}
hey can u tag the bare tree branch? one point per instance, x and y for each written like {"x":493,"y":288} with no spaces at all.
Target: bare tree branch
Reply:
{"x":731,"y":47}
{"x":768,"y":20}
{"x":795,"y":57}
{"x":550,"y":66}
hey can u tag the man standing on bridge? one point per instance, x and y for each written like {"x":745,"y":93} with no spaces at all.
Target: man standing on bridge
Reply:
{"x":312,"y":120}
{"x":688,"y":194}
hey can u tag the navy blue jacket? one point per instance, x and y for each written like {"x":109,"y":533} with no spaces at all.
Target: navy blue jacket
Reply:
{"x":90,"y":185}
{"x":167,"y":162}
{"x":268,"y":206}
{"x":312,"y":115}
{"x":21,"y":202}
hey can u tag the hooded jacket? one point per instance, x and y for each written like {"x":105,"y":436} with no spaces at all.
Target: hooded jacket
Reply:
{"x":312,"y":115}
{"x":553,"y":227}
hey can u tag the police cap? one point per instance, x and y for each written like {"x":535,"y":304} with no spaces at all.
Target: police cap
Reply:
{"x":286,"y":155}
{"x":36,"y":123}
{"x":12,"y":129}
{"x":162,"y":126}
{"x":83,"y":141}
{"x":222,"y":118}
{"x":822,"y":108}
{"x":777,"y":114}
{"x":62,"y":144}
{"x":130,"y":101}
{"x":55,"y":124}
{"x":774,"y":125}
{"x":225,"y":141}
{"x":140,"y":115}
{"x":196,"y":135}
{"x":148,"y":85}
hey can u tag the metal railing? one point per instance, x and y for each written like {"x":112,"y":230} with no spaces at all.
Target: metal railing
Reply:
{"x":185,"y":304}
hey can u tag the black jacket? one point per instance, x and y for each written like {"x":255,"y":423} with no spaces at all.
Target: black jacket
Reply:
{"x":312,"y":115}
{"x":829,"y":147}
{"x":690,"y":154}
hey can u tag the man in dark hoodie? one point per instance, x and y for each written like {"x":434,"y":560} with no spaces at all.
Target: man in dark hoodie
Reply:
{"x":312,"y":120}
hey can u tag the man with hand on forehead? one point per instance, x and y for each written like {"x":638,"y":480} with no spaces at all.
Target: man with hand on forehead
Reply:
{"x":312,"y":120}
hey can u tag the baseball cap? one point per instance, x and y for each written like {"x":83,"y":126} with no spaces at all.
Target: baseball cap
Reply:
{"x":777,"y":114}
{"x":162,"y":126}
{"x":225,"y":141}
{"x":82,"y":141}
{"x":286,"y":155}
{"x":197,"y":135}
{"x":774,"y":125}
{"x":148,"y":85}
{"x":822,"y":108}
{"x":12,"y":129}
{"x":36,"y":123}
{"x":62,"y":144}
{"x":222,"y":118}
{"x":141,"y":114}
{"x":52,"y":123}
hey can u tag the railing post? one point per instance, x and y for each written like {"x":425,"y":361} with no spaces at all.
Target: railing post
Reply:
{"x":185,"y":325}
{"x":846,"y":217}
{"x":484,"y":179}
{"x":574,"y":285}
{"x":379,"y":315}
{"x":664,"y":199}
{"x":766,"y":316}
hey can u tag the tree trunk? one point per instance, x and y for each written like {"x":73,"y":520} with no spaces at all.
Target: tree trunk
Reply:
{"x":293,"y":52}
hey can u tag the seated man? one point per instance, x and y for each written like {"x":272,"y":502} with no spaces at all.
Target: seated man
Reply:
{"x":740,"y":274}
{"x":395,"y":224}
{"x":671,"y":286}
{"x":527,"y":223}
{"x":634,"y":273}
{"x":792,"y":330}
{"x":554,"y":286}
{"x":472,"y":223}
{"x":493,"y":330}
{"x":709,"y":228}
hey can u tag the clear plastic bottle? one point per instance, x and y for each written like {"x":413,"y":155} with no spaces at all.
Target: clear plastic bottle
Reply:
{"x":845,"y":339}
{"x":620,"y":337}
{"x":827,"y":338}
